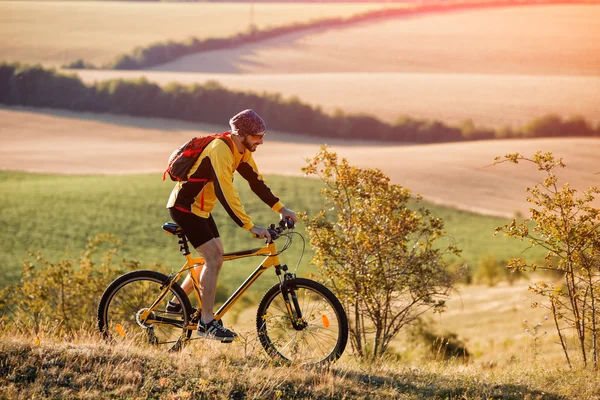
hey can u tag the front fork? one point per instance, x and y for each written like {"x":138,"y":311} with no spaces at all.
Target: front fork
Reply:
{"x":290,"y":298}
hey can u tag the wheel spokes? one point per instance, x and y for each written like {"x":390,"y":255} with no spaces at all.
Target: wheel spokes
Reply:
{"x":129,"y":304}
{"x":317,"y":338}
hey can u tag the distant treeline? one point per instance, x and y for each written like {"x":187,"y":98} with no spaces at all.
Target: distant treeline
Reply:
{"x":161,"y":53}
{"x":38,"y":87}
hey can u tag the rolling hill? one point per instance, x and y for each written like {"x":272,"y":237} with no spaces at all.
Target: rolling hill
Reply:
{"x":495,"y":67}
{"x":456,"y":174}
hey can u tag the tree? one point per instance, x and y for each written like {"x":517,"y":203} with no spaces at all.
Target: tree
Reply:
{"x":567,"y":226}
{"x":549,"y":125}
{"x":381,"y":258}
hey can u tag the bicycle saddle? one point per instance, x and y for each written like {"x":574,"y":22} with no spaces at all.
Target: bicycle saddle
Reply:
{"x":172,"y":228}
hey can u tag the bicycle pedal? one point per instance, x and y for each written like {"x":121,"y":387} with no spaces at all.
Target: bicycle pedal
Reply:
{"x":195,"y":316}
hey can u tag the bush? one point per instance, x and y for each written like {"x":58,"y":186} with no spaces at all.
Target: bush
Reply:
{"x":381,"y":259}
{"x":66,"y":292}
{"x":567,"y":225}
{"x":552,"y":125}
{"x":490,"y":271}
{"x":441,"y":347}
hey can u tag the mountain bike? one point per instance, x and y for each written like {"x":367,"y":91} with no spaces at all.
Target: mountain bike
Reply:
{"x":298,"y":320}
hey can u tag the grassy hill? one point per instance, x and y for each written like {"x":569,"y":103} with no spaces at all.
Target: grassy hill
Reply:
{"x":495,"y":67}
{"x":84,"y":367}
{"x":56,"y":214}
{"x":455,"y":175}
{"x":51,"y":212}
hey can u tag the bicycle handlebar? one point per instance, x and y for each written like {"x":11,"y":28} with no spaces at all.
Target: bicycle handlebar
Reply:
{"x":275,"y":231}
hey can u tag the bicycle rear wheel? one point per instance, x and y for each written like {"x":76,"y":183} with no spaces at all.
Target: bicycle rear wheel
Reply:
{"x":319,"y":336}
{"x":122,"y":309}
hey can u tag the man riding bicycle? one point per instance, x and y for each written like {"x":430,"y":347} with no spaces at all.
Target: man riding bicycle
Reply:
{"x":192,"y":201}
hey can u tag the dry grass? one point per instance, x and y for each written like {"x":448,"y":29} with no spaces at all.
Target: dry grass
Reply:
{"x":83,"y":366}
{"x":456,"y":174}
{"x":496,"y":323}
{"x":54,"y":33}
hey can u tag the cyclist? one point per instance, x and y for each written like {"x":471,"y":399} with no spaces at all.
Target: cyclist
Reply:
{"x":192,"y":201}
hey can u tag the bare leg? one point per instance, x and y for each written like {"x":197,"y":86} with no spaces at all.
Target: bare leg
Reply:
{"x":187,"y":284}
{"x":213,"y":254}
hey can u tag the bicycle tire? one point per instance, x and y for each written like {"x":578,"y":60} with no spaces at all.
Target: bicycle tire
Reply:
{"x":128,"y":295}
{"x":325,"y":335}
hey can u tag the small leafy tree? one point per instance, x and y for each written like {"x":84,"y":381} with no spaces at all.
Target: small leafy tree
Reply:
{"x":381,"y":258}
{"x":568,"y":226}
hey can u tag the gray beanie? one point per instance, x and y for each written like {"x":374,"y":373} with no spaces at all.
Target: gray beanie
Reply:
{"x":247,"y":123}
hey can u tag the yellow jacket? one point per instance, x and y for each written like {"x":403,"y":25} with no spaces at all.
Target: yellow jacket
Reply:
{"x":211,"y":178}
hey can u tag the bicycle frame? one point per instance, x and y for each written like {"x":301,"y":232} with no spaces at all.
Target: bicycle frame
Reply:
{"x":271,"y":259}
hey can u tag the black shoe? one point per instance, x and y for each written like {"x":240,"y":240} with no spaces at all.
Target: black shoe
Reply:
{"x":173,"y":307}
{"x":214,"y":330}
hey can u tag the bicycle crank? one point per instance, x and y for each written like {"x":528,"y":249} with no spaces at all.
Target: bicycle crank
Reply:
{"x":138,"y":318}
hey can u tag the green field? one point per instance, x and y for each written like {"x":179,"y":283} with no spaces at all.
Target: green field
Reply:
{"x":56,"y":214}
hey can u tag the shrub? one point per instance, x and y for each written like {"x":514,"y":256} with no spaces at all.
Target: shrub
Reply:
{"x":67,"y":291}
{"x":446,"y":346}
{"x":568,"y":227}
{"x":383,"y":260}
{"x":490,"y":271}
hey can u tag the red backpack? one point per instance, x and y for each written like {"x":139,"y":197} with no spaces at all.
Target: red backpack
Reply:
{"x":184,"y":158}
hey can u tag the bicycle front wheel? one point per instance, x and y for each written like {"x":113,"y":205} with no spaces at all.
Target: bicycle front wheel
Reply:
{"x":126,"y":311}
{"x":317,"y":330}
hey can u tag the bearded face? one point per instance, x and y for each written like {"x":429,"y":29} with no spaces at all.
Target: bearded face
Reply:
{"x":251,"y":142}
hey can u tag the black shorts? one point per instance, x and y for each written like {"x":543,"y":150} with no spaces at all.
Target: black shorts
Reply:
{"x":197,"y":229}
